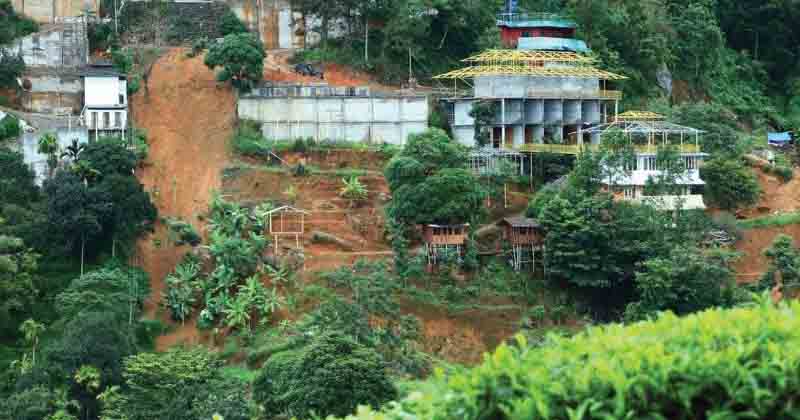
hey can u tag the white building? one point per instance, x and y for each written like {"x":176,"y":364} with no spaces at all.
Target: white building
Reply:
{"x":105,"y":101}
{"x":647,"y":132}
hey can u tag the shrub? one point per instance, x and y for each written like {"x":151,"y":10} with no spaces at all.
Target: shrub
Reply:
{"x":716,"y":364}
{"x":331,"y":375}
{"x":299,"y":145}
{"x":182,"y":232}
{"x":230,"y":24}
{"x":729,"y":183}
{"x":785,"y":173}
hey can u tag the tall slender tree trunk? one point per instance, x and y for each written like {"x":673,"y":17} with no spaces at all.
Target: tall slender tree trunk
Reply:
{"x":83,"y":251}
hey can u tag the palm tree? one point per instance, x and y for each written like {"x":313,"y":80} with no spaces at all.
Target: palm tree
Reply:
{"x":84,"y":171}
{"x":31,"y":330}
{"x":73,"y":151}
{"x":48,"y":145}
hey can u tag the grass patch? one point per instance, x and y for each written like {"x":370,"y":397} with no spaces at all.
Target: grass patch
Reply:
{"x":771,"y":221}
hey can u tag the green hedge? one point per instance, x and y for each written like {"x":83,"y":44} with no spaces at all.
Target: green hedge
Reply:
{"x":719,"y":364}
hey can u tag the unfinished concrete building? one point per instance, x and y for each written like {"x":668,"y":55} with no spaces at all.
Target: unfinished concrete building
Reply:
{"x":540,"y":92}
{"x":335,"y":113}
{"x":48,"y":11}
{"x":53,"y":57}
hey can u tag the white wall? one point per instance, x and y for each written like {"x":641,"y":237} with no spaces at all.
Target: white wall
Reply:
{"x":103,"y":91}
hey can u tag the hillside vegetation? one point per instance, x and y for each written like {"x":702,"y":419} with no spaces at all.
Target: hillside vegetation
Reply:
{"x":737,"y":363}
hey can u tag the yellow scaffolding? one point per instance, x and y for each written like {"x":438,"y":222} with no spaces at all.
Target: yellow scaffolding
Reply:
{"x":536,"y":56}
{"x":632,"y":116}
{"x":525,"y":70}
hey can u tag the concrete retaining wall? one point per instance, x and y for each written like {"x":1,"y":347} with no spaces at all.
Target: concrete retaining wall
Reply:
{"x":365,"y":119}
{"x":45,"y":11}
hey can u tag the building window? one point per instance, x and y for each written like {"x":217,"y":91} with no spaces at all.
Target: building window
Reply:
{"x":121,"y":99}
{"x":650,"y":163}
{"x":691,"y":162}
{"x":526,"y":34}
{"x":629,"y":193}
{"x":93,"y":124}
{"x":118,"y":119}
{"x":106,"y":119}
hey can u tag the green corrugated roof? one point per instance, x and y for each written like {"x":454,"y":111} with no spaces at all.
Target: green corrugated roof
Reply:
{"x":552,"y":44}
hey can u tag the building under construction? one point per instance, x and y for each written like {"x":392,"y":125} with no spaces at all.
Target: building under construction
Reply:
{"x":540,"y":92}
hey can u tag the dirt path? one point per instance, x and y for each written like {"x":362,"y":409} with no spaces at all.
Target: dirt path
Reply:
{"x":188,"y":120}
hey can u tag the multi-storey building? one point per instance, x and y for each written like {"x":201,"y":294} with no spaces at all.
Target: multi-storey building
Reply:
{"x":648,"y":132}
{"x":541,"y":91}
{"x":105,"y":100}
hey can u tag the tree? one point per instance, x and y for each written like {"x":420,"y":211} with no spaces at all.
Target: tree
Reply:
{"x":687,"y":280}
{"x":729,"y":183}
{"x":484,"y":115}
{"x":48,"y":145}
{"x":18,"y":267}
{"x":11,"y":68}
{"x":76,"y":212}
{"x":109,"y":157}
{"x":230,"y":24}
{"x":131,"y":214}
{"x":331,"y":375}
{"x":784,"y":259}
{"x":73,"y":151}
{"x":17,"y":183}
{"x":31,"y":330}
{"x":241,"y":57}
{"x":120,"y":291}
{"x":435,"y":150}
{"x":163,"y":385}
{"x":451,"y":196}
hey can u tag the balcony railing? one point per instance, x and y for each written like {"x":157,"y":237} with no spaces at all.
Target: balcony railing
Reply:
{"x":561,"y":94}
{"x":524,"y":16}
{"x":574,"y":149}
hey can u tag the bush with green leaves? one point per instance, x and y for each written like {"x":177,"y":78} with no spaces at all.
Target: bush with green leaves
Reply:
{"x":734,"y":363}
{"x":353,"y":189}
{"x":114,"y":289}
{"x":182,"y":288}
{"x":730,"y":184}
{"x":182,"y":232}
{"x":179,"y":384}
{"x":241,"y":56}
{"x":331,"y":375}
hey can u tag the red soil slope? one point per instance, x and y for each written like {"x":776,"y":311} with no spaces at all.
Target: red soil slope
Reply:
{"x":189,"y":120}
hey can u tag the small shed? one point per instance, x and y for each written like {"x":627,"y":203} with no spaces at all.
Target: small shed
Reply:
{"x":525,"y":236}
{"x":286,"y":221}
{"x":444,"y":238}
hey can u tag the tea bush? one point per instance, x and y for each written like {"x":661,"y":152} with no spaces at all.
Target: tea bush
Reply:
{"x":732,"y":363}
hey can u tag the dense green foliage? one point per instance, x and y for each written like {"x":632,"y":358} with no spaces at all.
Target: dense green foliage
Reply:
{"x":729,"y":184}
{"x":13,"y":25}
{"x":241,"y":57}
{"x":177,"y":384}
{"x":331,"y":375}
{"x":429,"y":183}
{"x":652,"y":369}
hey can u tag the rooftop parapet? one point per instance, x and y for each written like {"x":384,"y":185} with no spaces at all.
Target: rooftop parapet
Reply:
{"x":534,"y":20}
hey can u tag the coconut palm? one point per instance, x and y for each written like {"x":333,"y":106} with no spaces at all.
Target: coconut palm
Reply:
{"x":73,"y":151}
{"x":48,"y":145}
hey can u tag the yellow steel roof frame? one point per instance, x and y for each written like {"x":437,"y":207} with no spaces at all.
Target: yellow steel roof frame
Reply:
{"x":523,"y":70}
{"x":492,"y":56}
{"x":633,"y":116}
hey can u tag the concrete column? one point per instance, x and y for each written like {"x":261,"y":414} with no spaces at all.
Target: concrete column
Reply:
{"x":503,"y":122}
{"x":519,"y":136}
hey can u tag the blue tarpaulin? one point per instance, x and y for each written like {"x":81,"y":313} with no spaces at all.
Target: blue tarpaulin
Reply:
{"x":779,"y":138}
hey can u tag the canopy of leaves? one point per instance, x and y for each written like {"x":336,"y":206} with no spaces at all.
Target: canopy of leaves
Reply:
{"x":241,"y":57}
{"x":162,"y":385}
{"x":428,"y":183}
{"x":109,"y":157}
{"x":451,"y":196}
{"x":687,"y":280}
{"x":332,"y":375}
{"x":784,"y":258}
{"x":603,"y":373}
{"x":114,"y":290}
{"x":18,"y":269}
{"x":13,"y":25}
{"x":17,"y":183}
{"x":730,"y":184}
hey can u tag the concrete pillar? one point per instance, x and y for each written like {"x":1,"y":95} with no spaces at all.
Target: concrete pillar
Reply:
{"x":503,"y":122}
{"x":519,"y":136}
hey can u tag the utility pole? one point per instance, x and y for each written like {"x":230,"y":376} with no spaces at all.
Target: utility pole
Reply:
{"x":366,"y":40}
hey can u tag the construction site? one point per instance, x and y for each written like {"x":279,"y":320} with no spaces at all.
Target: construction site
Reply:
{"x":545,"y":95}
